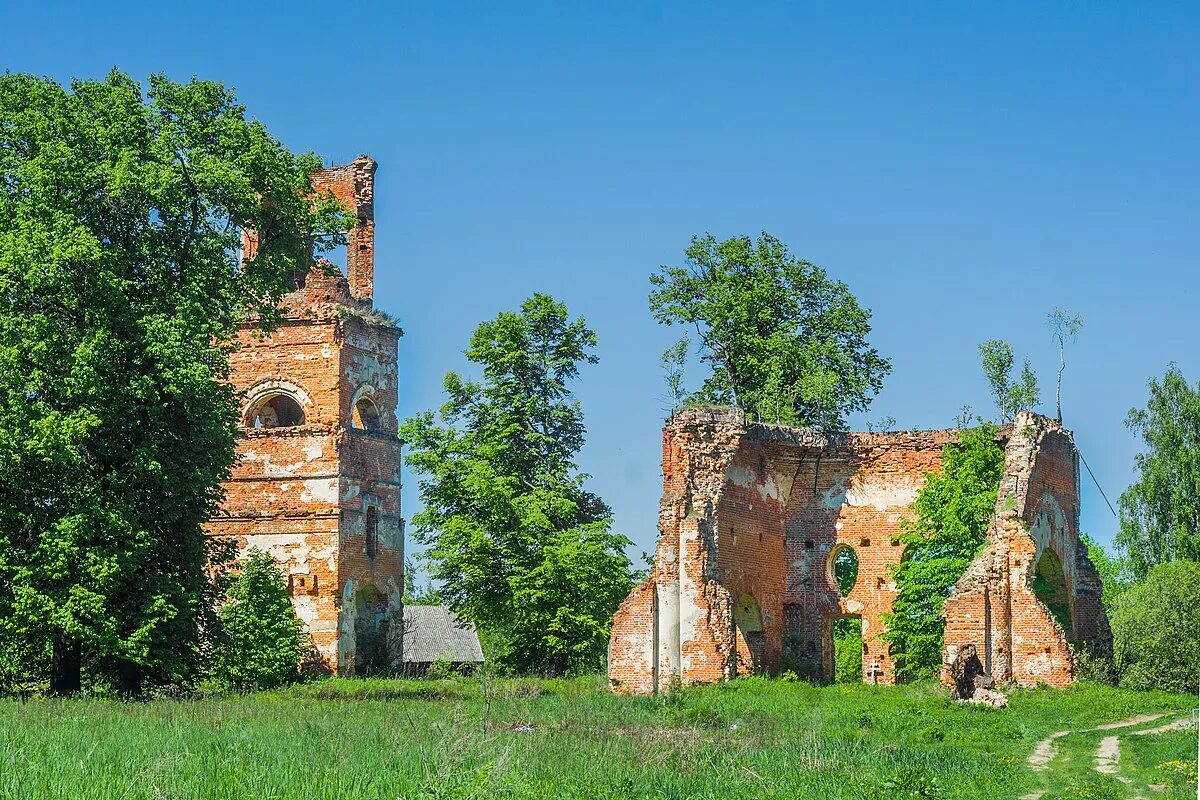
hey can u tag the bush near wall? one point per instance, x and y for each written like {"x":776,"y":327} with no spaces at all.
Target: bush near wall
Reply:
{"x":1156,"y":630}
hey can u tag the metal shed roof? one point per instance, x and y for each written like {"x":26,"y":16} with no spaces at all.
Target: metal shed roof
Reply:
{"x":433,"y":633}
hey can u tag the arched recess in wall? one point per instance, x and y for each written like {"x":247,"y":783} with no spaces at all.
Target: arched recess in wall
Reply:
{"x":364,"y":412}
{"x":276,"y":404}
{"x":843,"y":568}
{"x":1051,"y":587}
{"x":747,"y":618}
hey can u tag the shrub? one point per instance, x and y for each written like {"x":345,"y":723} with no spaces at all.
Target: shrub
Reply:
{"x":1156,"y":630}
{"x":259,"y":644}
{"x":952,"y":511}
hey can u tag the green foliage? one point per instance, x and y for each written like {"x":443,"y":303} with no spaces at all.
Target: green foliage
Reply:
{"x":952,"y":512}
{"x":845,"y":569}
{"x":1113,"y":570}
{"x":350,"y":738}
{"x":996,"y":358}
{"x":673,"y":363}
{"x":119,"y":278}
{"x":260,"y":639}
{"x":847,"y":650}
{"x":785,"y":342}
{"x":515,"y":541}
{"x":1064,"y":326}
{"x":1160,"y":512}
{"x":1156,"y":630}
{"x":415,"y":595}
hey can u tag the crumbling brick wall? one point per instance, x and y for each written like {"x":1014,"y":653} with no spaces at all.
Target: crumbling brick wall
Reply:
{"x":751,"y":520}
{"x":323,"y":496}
{"x":995,"y":605}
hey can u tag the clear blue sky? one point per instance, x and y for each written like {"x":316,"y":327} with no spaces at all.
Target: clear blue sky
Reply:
{"x":964,"y":169}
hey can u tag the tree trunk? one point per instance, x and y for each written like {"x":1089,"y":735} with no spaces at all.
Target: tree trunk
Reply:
{"x":65,"y":665}
{"x":129,"y":679}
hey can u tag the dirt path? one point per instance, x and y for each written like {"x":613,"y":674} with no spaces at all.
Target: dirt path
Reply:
{"x":1046,"y":749}
{"x":1108,"y":755}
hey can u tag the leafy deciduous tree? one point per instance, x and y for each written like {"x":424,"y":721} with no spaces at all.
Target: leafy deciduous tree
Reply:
{"x":1160,"y":512}
{"x":1156,"y":630}
{"x":785,"y":342}
{"x":259,"y":645}
{"x":996,"y":357}
{"x":119,"y":280}
{"x":1064,"y":325}
{"x":952,"y":511}
{"x":517,"y":543}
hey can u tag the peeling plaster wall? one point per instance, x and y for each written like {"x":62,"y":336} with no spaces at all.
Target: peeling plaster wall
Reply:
{"x":301,"y":493}
{"x":753,"y":515}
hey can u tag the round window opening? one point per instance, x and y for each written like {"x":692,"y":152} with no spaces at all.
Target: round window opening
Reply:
{"x":275,"y":411}
{"x":366,"y":415}
{"x":845,"y":569}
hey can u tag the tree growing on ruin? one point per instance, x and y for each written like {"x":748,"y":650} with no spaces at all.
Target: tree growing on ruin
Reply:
{"x":996,"y":358}
{"x":951,"y":515}
{"x":515,"y":540}
{"x":1160,"y":511}
{"x":1064,"y":326}
{"x":784,"y":341}
{"x":120,"y":213}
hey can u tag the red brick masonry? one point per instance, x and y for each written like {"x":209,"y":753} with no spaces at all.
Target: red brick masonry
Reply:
{"x":322,"y":494}
{"x":751,"y":520}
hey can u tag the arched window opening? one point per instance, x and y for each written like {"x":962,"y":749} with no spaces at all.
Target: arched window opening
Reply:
{"x":1050,"y":586}
{"x":844,"y":566}
{"x":275,"y":411}
{"x":371,"y":524}
{"x":366,"y":415}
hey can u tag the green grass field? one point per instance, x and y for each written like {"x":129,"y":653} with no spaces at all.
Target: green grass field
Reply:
{"x":476,"y":738}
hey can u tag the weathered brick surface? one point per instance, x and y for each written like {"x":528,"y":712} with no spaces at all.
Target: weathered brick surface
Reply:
{"x":305,"y":493}
{"x":751,"y":519}
{"x":994,"y":606}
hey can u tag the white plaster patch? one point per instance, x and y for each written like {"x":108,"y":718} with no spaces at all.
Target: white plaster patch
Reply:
{"x":321,"y":490}
{"x":835,"y":496}
{"x":306,"y":610}
{"x":854,"y":606}
{"x":770,"y":488}
{"x":312,"y":452}
{"x":883,"y":495}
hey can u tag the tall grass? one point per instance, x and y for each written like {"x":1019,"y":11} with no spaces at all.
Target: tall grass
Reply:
{"x":525,"y":738}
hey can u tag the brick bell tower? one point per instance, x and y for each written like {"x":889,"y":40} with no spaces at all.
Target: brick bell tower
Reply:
{"x":317,"y":478}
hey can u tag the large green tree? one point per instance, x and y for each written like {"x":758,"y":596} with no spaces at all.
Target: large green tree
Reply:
{"x":516,"y":542}
{"x":952,"y":511}
{"x":785,"y":342}
{"x":1160,"y":512}
{"x":120,"y":213}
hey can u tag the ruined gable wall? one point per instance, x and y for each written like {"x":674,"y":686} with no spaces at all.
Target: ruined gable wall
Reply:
{"x":994,"y":605}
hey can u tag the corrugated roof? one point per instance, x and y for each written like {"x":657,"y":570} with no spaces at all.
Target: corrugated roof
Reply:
{"x":433,"y":633}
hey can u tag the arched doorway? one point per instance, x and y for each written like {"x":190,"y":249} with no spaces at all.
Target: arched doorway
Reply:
{"x":1051,"y":587}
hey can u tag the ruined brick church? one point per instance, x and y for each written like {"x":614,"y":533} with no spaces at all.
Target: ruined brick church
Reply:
{"x":754,"y":518}
{"x":317,"y":479}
